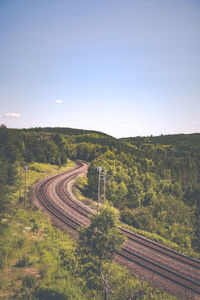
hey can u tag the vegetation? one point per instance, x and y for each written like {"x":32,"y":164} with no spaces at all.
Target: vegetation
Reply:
{"x":39,"y":261}
{"x":50,"y":268}
{"x":98,"y":243}
{"x":154,"y":182}
{"x":150,"y":187}
{"x":148,"y":179}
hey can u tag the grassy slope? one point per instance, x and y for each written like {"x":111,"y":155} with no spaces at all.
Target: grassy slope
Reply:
{"x":38,"y":171}
{"x":29,"y":231}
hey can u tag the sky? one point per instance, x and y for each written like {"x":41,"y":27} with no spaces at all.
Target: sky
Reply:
{"x":123,"y":67}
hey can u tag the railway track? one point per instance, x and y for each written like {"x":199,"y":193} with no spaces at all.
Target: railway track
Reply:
{"x":171,"y":265}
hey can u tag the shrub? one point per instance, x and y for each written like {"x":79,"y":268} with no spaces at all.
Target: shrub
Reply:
{"x":24,"y":261}
{"x":29,"y":281}
{"x":20,"y":243}
{"x":3,"y":257}
{"x":35,"y":228}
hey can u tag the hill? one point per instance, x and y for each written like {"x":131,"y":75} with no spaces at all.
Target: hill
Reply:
{"x":149,"y":179}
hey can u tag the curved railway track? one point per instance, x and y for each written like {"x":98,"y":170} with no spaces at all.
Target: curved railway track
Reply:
{"x":178,"y":269}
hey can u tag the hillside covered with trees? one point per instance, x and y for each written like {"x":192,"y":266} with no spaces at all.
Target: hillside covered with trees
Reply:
{"x":154,"y":182}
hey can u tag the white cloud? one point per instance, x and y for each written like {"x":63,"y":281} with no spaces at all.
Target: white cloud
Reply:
{"x":12,"y":115}
{"x":59,"y":101}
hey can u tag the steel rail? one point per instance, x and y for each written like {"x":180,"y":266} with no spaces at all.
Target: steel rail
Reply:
{"x":133,"y":237}
{"x":164,"y":250}
{"x":61,"y":186}
{"x":52,"y":205}
{"x":163,"y":269}
{"x":70,"y":176}
{"x":143,"y":262}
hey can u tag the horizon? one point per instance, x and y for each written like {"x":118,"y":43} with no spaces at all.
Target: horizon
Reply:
{"x":123,"y":137}
{"x":127,"y":68}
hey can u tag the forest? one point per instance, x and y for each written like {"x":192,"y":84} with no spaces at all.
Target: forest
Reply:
{"x":154,"y":183}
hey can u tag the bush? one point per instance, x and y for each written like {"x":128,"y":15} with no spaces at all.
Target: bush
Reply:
{"x":139,"y":218}
{"x":1,"y":282}
{"x":43,"y":271}
{"x":20,"y":243}
{"x":3,"y":257}
{"x":29,"y":281}
{"x":49,"y":294}
{"x":35,"y":228}
{"x":24,"y":261}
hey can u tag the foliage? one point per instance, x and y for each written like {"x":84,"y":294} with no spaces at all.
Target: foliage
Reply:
{"x":153,"y":181}
{"x":102,"y":236}
{"x":29,"y":281}
{"x":24,"y":261}
{"x":55,"y":271}
{"x":148,"y":178}
{"x":149,"y":197}
{"x":98,"y":243}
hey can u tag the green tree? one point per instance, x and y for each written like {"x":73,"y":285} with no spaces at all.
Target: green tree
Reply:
{"x":135,"y":195}
{"x":98,"y":243}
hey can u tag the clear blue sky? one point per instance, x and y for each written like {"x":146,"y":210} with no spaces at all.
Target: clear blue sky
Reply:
{"x":124,"y":67}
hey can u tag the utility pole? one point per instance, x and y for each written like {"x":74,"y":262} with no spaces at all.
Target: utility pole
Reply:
{"x":19,"y":183}
{"x":102,"y":176}
{"x":25,"y":191}
{"x":104,"y":185}
{"x":99,"y":169}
